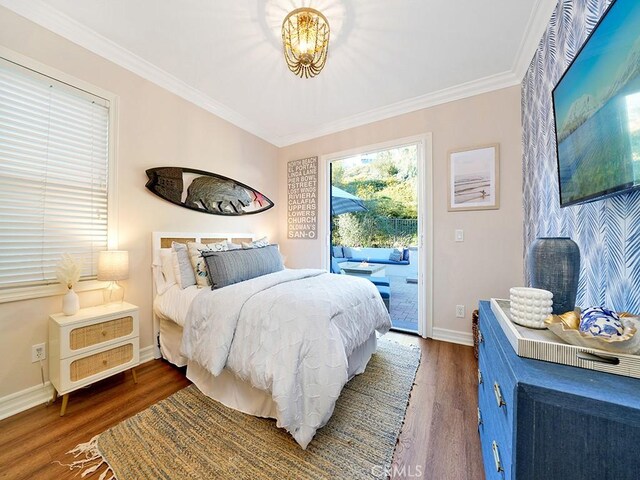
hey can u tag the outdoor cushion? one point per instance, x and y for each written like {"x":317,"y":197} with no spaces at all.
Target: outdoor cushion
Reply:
{"x":405,"y":254}
{"x":381,"y":261}
{"x":337,"y":252}
{"x":347,"y":252}
{"x":395,"y":256}
{"x":335,"y":266}
{"x":385,"y":292}
{"x":380,"y":281}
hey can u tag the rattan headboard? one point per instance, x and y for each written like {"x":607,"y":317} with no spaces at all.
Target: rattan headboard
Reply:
{"x":165,"y":239}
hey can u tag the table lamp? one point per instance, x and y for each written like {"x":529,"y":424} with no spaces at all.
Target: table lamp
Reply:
{"x":113,"y":265}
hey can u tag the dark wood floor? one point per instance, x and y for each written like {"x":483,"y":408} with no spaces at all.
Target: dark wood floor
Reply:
{"x":439,"y":439}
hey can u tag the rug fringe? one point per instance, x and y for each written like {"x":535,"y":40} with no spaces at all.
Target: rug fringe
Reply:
{"x":92,"y":461}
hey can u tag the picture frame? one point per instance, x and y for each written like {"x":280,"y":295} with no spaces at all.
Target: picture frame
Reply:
{"x":474,"y":178}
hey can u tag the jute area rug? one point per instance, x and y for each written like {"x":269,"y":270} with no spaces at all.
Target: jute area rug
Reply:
{"x":190,"y":436}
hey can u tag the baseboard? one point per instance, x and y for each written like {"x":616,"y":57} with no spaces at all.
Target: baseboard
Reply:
{"x":25,"y":399}
{"x":39,"y":394}
{"x":147,"y":354}
{"x":452,"y":336}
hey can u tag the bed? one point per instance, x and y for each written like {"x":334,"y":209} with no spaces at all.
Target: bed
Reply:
{"x":280,"y":345}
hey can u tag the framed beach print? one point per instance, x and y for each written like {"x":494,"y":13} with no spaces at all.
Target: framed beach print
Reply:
{"x":474,"y":178}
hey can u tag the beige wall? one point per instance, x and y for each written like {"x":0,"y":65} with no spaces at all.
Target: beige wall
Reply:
{"x":156,"y":128}
{"x":489,"y":261}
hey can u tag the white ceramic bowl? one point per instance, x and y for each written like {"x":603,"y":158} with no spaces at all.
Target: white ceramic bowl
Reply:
{"x":530,"y":306}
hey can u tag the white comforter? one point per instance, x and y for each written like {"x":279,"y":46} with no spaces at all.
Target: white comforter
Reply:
{"x":288,"y":333}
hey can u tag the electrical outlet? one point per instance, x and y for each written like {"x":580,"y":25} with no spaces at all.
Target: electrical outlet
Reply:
{"x":38,"y":352}
{"x":460,"y":311}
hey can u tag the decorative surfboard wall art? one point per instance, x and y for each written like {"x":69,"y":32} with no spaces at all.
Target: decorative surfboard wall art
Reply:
{"x":205,"y":191}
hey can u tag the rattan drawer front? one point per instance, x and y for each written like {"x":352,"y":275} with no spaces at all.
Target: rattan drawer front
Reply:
{"x":99,"y":362}
{"x":100,"y":332}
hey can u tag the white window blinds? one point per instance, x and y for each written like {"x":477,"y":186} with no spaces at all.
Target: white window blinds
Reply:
{"x":54,"y":158}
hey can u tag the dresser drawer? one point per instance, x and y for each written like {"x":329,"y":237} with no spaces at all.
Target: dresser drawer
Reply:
{"x":83,"y":337}
{"x":496,"y":454}
{"x":494,"y":419}
{"x":93,"y":334}
{"x":81,"y":370}
{"x":99,"y":362}
{"x":499,"y":380}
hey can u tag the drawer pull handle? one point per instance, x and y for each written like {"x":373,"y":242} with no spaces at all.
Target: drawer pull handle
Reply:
{"x":479,"y":418}
{"x":104,"y":333}
{"x":498,"y":393}
{"x":496,"y":456}
{"x":598,"y":358}
{"x":104,"y":362}
{"x":480,"y":337}
{"x":479,"y":377}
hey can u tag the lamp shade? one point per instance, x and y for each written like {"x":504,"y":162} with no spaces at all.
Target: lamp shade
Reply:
{"x":113,"y":265}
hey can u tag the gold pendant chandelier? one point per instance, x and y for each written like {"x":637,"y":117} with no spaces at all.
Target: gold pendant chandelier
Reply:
{"x":305,"y":35}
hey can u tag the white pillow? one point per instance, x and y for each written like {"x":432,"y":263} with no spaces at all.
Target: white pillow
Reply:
{"x":261,"y":242}
{"x":233,"y":246}
{"x":166,"y":260}
{"x":198,"y":263}
{"x":158,"y":277}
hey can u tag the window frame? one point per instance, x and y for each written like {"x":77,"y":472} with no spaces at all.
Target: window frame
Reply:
{"x":27,"y":292}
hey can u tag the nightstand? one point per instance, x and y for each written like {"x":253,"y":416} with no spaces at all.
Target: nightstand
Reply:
{"x":93,"y":344}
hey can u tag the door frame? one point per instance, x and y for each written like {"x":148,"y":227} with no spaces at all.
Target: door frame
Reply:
{"x":424,"y":143}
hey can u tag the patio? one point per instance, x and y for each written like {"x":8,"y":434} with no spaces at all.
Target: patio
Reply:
{"x":403,"y":294}
{"x":403,"y":300}
{"x":403,"y":304}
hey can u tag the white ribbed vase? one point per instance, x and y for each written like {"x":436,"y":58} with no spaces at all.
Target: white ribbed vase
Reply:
{"x":530,"y":306}
{"x":70,"y":303}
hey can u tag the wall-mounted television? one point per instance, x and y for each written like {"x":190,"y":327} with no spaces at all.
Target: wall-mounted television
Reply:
{"x":596,"y":106}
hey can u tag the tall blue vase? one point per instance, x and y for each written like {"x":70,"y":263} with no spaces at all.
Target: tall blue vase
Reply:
{"x":554,"y":265}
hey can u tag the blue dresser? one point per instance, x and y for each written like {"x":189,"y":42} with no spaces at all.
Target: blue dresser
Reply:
{"x":542,"y":421}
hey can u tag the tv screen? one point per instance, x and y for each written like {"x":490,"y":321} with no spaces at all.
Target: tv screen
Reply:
{"x":597,"y":110}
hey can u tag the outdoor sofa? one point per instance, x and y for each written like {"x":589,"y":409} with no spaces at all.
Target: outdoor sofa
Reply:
{"x":370,"y":255}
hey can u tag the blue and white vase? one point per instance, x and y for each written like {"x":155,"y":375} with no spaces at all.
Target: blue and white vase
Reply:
{"x":554,"y":265}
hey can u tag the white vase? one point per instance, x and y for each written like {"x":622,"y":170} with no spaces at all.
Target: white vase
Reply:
{"x":70,"y":303}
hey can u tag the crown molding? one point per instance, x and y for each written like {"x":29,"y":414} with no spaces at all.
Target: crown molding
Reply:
{"x":52,"y":19}
{"x":458,"y":92}
{"x":536,"y":26}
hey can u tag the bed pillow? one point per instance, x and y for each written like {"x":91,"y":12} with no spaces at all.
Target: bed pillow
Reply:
{"x":395,"y":256}
{"x":182,"y":268}
{"x":233,"y":266}
{"x":163,"y":270}
{"x":166,"y":265}
{"x":337,"y":252}
{"x":261,"y":242}
{"x":197,"y":262}
{"x":233,"y":246}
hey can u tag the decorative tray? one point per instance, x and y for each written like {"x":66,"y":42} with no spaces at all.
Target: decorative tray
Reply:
{"x":545,"y":345}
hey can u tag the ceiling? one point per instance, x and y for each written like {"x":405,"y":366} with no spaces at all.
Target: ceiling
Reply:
{"x":386,"y":57}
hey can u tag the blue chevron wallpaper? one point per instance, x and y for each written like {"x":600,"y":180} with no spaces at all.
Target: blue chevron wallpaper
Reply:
{"x":607,"y":231}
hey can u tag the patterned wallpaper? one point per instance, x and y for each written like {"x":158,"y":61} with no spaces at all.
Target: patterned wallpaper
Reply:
{"x":607,"y":231}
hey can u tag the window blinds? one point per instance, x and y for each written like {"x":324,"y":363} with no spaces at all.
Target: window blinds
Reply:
{"x":54,"y":159}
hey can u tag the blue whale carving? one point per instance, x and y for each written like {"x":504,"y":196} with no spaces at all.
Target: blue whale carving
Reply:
{"x":205,"y":191}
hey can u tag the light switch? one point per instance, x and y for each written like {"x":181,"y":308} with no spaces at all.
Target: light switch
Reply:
{"x":459,"y":235}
